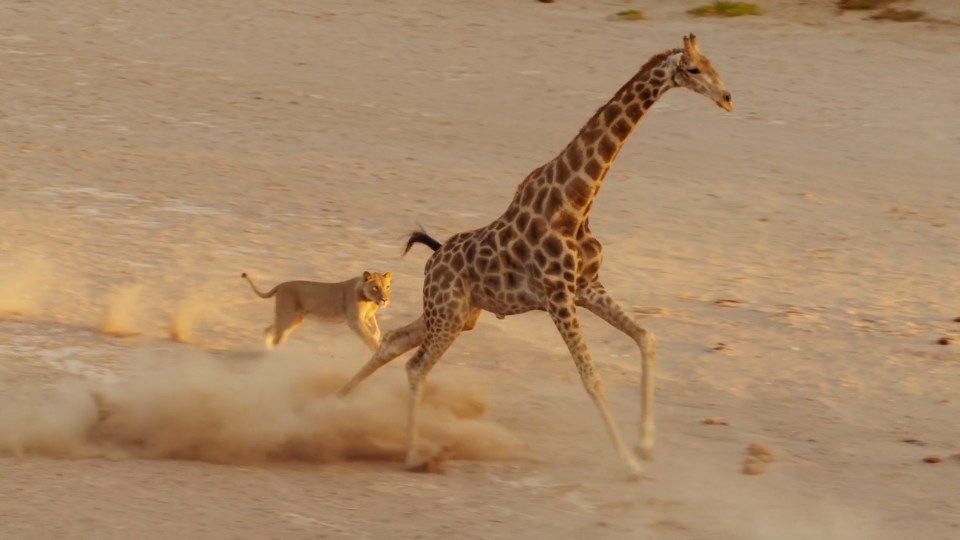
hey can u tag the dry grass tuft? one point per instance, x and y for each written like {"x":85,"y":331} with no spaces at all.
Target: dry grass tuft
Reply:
{"x":899,"y":15}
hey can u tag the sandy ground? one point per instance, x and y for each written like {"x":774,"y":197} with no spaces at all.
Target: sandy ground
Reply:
{"x":152,"y":151}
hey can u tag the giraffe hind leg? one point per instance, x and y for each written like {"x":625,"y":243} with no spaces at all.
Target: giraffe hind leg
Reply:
{"x":431,"y":350}
{"x":393,"y":344}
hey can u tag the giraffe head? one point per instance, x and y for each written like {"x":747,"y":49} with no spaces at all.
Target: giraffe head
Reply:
{"x":694,"y":71}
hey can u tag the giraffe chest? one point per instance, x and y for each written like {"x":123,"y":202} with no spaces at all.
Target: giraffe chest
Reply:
{"x":590,"y":254}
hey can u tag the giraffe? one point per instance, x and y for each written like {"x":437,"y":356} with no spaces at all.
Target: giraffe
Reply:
{"x":540,"y":254}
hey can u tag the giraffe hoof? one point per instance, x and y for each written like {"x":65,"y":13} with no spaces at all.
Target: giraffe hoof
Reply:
{"x":422,"y":467}
{"x":635,"y":474}
{"x":635,"y":477}
{"x":434,"y":465}
{"x":430,"y":466}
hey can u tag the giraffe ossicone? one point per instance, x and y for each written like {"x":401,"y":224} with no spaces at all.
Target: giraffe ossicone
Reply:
{"x":540,"y":254}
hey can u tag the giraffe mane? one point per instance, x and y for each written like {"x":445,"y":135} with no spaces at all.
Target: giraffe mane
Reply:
{"x":650,"y":64}
{"x":656,"y":60}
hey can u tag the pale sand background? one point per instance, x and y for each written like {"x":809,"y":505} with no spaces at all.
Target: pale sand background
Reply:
{"x":168,"y":146}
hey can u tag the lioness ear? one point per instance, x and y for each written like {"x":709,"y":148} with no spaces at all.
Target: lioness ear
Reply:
{"x":388,"y":275}
{"x":367,"y":276}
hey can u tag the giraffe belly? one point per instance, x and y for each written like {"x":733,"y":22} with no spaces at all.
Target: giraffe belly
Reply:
{"x":504,"y":303}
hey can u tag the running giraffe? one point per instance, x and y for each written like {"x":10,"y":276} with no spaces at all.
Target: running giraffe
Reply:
{"x":541,"y":255}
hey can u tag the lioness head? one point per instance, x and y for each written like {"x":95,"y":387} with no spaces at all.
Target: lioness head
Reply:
{"x":376,"y":287}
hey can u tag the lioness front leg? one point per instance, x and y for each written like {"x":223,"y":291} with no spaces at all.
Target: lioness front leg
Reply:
{"x":374,"y":328}
{"x":365,"y":332}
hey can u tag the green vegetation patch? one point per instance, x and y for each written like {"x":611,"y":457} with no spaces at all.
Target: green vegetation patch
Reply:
{"x":631,"y":15}
{"x":726,"y":9}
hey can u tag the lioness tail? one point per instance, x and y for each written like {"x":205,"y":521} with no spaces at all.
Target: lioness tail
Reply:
{"x":267,"y":294}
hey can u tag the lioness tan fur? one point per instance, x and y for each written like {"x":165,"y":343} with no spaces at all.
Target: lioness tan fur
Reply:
{"x":354,"y":301}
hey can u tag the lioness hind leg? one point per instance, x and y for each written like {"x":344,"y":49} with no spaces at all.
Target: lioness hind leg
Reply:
{"x":286,"y":318}
{"x":268,"y":336}
{"x":284,"y":327}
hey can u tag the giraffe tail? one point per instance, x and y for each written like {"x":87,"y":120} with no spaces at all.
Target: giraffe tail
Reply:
{"x":421,"y":237}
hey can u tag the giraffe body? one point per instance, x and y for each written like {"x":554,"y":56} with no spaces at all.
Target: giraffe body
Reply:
{"x":540,"y":254}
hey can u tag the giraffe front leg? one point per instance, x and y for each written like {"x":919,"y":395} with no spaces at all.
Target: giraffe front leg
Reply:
{"x":565,"y":318}
{"x":596,"y":300}
{"x":395,"y":343}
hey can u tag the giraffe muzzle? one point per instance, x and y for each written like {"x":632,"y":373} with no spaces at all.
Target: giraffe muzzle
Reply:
{"x":726,"y":102}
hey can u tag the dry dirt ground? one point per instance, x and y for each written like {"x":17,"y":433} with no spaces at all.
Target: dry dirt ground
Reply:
{"x":153,"y":151}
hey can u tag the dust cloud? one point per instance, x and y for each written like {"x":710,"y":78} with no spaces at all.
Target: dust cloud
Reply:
{"x":186,"y":316}
{"x":276,"y":408}
{"x":25,"y":286}
{"x":123,"y":316}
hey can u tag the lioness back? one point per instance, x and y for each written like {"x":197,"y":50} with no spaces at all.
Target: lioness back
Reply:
{"x":325,"y":300}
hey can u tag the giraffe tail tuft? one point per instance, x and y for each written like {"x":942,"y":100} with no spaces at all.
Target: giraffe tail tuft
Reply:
{"x":421,"y":237}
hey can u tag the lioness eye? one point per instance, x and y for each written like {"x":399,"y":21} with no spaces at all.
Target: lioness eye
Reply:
{"x":694,"y":70}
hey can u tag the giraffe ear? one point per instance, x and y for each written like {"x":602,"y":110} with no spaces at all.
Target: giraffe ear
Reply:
{"x":690,"y":48}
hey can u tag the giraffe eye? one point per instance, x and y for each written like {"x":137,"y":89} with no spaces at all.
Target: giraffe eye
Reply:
{"x":694,"y":71}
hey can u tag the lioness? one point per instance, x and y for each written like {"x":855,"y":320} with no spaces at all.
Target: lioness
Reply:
{"x":354,"y":301}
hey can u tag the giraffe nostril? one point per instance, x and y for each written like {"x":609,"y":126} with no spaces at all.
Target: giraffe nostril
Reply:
{"x":727,"y":96}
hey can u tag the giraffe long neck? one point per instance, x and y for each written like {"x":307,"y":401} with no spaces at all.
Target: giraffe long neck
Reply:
{"x":576,"y":174}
